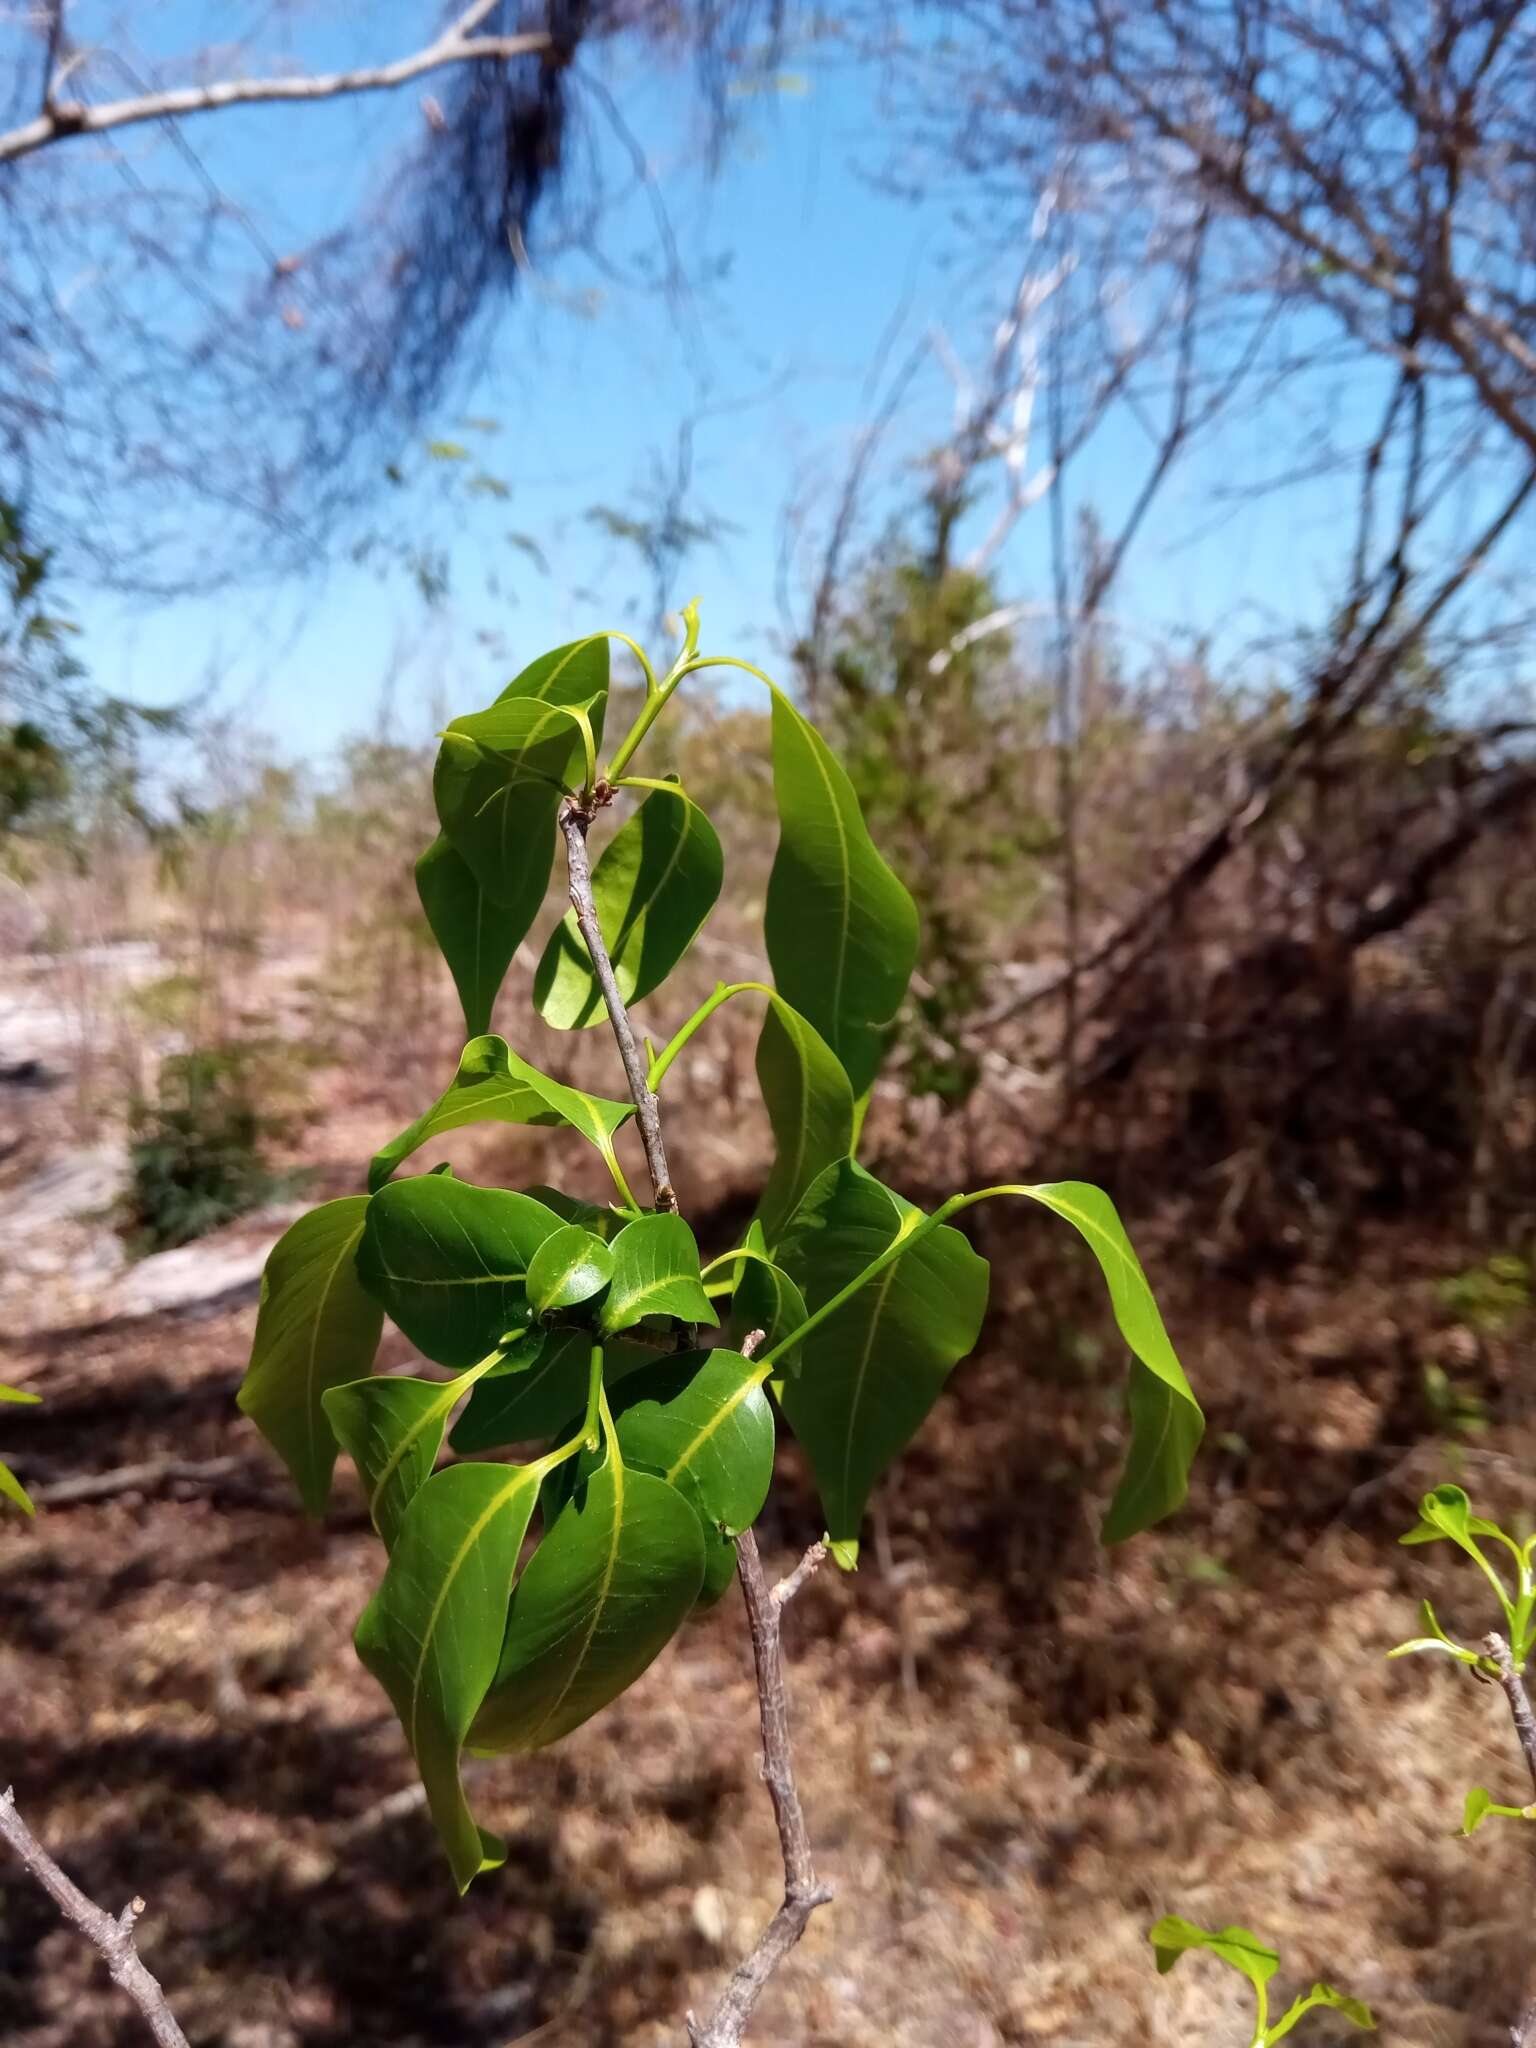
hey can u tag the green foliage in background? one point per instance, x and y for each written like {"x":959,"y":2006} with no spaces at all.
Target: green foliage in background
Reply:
{"x":587,"y":1336}
{"x":197,"y":1149}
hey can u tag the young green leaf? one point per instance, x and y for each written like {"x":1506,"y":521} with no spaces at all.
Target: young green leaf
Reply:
{"x":475,"y":936}
{"x":1166,"y":1422}
{"x":1173,"y":1937}
{"x":655,"y":1273}
{"x":11,"y":1488}
{"x":841,"y":931}
{"x":872,"y":1371}
{"x":606,"y":1590}
{"x":568,"y":1269}
{"x":1480,"y":1803}
{"x":810,"y":1109}
{"x":315,"y":1328}
{"x":1355,"y":2010}
{"x":449,"y":1262}
{"x":527,"y":736}
{"x":545,"y":1401}
{"x":392,"y":1429}
{"x":701,"y":1421}
{"x":765,"y":1299}
{"x":432,"y":1634}
{"x":1445,"y":1514}
{"x":495,"y":1085}
{"x":654,"y":885}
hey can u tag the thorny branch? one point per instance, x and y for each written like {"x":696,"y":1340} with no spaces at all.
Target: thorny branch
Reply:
{"x":802,"y":1892}
{"x":114,"y":1938}
{"x":1520,"y":1712}
{"x":458,"y":44}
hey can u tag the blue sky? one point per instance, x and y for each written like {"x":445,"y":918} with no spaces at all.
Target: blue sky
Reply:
{"x":825,"y":275}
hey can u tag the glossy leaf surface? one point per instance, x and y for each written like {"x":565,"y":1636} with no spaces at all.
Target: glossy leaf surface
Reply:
{"x":701,"y":1421}
{"x":841,"y":930}
{"x":872,"y":1371}
{"x":654,"y":884}
{"x":496,"y":1085}
{"x":432,"y":1634}
{"x":392,"y":1429}
{"x":606,"y":1590}
{"x":766,"y":1299}
{"x":449,"y":1262}
{"x":810,"y":1107}
{"x":475,"y":936}
{"x":316,"y":1327}
{"x":546,"y":1400}
{"x":656,"y":1272}
{"x":568,"y":1269}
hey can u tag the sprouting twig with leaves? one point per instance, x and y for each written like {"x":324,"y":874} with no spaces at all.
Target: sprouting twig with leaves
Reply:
{"x":1173,"y":1937}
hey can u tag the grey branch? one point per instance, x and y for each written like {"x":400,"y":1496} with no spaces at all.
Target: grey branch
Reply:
{"x":575,"y":822}
{"x":458,"y":44}
{"x":1513,"y":1687}
{"x":802,"y":1893}
{"x":114,"y":1938}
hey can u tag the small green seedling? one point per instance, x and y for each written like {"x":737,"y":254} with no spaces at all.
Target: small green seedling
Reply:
{"x":1173,"y":1937}
{"x":1445,"y":1516}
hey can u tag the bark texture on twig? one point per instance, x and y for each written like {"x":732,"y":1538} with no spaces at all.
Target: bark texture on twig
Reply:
{"x":802,"y":1892}
{"x":574,"y":825}
{"x":1512,"y":1686}
{"x":458,"y":44}
{"x":113,"y":1938}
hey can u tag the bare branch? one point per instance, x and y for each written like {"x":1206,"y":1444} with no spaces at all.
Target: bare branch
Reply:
{"x":457,"y":45}
{"x":1513,"y":1687}
{"x":575,"y":822}
{"x":114,"y":1938}
{"x":805,"y":1570}
{"x":802,"y":1893}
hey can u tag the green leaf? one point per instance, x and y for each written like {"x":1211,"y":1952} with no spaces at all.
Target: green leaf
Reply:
{"x":810,"y":1108}
{"x":11,"y":1488}
{"x":432,"y":1634}
{"x":1478,"y":1806}
{"x":392,"y":1429}
{"x":701,"y":1421}
{"x":841,"y":930}
{"x":503,"y":825}
{"x":656,"y":1272}
{"x":530,"y":737}
{"x":872,"y":1371}
{"x":654,"y":885}
{"x":495,"y":1085}
{"x":766,"y":1299}
{"x":1173,"y":1937}
{"x":315,"y":1328}
{"x":1166,"y":1422}
{"x":603,"y":1223}
{"x":449,"y":1262}
{"x":545,"y":1400}
{"x":606,"y":1590}
{"x":567,"y":1269}
{"x":1354,"y":2010}
{"x":719,"y":1568}
{"x":475,"y":936}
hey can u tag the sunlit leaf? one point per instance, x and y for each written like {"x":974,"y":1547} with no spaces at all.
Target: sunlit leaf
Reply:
{"x":656,"y":1272}
{"x":475,"y":936}
{"x":872,"y":1371}
{"x":11,"y":1488}
{"x":496,"y":1085}
{"x":449,"y":1262}
{"x":603,"y":1594}
{"x":316,"y":1328}
{"x":432,"y":1634}
{"x":1173,"y":1937}
{"x":841,"y":930}
{"x":810,"y":1107}
{"x":701,"y":1421}
{"x":392,"y":1429}
{"x":1355,"y":2010}
{"x":653,"y":886}
{"x":567,"y":1269}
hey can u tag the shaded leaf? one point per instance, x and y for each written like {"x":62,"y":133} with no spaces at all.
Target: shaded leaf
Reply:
{"x":656,"y":1272}
{"x":653,"y":886}
{"x":544,"y":1401}
{"x":496,"y":1085}
{"x":766,"y":1299}
{"x":701,"y":1421}
{"x":316,"y":1328}
{"x":432,"y":1634}
{"x":449,"y":1262}
{"x":475,"y":936}
{"x":604,"y":1593}
{"x":872,"y":1371}
{"x":392,"y":1429}
{"x":810,"y":1107}
{"x":841,"y":930}
{"x":567,"y":1269}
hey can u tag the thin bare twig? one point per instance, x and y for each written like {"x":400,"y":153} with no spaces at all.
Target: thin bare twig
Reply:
{"x":575,"y":822}
{"x":1513,"y":1687}
{"x":457,"y":45}
{"x":802,"y":1893}
{"x":114,"y":1938}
